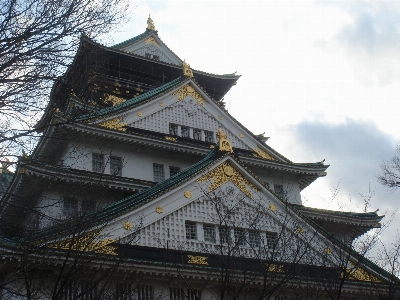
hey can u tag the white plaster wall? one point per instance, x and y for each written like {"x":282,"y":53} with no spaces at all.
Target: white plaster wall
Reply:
{"x":137,"y":162}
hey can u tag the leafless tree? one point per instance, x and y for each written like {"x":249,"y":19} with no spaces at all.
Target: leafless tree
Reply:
{"x":390,"y":176}
{"x":38,"y":40}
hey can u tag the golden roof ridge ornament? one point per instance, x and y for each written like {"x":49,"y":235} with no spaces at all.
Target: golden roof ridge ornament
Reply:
{"x":187,"y":71}
{"x":223,"y":143}
{"x":150,"y":24}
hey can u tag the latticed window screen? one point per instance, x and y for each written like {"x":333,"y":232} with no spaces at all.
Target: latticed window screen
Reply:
{"x":209,"y":233}
{"x":209,"y":136}
{"x":272,"y":238}
{"x":185,"y":132}
{"x":158,"y":172}
{"x":147,"y":55}
{"x":191,"y":230}
{"x":173,"y":170}
{"x":184,"y":294}
{"x":70,"y":207}
{"x":98,"y":162}
{"x":224,"y":234}
{"x":144,"y":292}
{"x":240,"y":236}
{"x":173,"y":129}
{"x":115,"y":165}
{"x":123,"y":291}
{"x":254,"y":238}
{"x":197,"y":134}
{"x":86,"y":290}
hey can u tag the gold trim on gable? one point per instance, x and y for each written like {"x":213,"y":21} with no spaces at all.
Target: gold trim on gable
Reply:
{"x":152,"y":40}
{"x":261,"y":153}
{"x":187,"y":90}
{"x":114,"y":124}
{"x":224,"y":173}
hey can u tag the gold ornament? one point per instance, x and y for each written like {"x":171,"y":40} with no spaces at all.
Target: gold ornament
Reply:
{"x":212,"y":146}
{"x":187,"y":90}
{"x":128,"y":225}
{"x":188,"y":194}
{"x":300,"y":230}
{"x":328,"y":251}
{"x":241,"y":136}
{"x":161,"y":104}
{"x":87,"y":243}
{"x":114,"y":124}
{"x":261,"y":153}
{"x":170,"y":138}
{"x":113,"y":99}
{"x":272,"y":207}
{"x":150,"y":24}
{"x":152,"y":40}
{"x":223,"y":143}
{"x":356,"y":273}
{"x":159,"y":210}
{"x":224,"y":173}
{"x":220,"y":117}
{"x":139,"y":114}
{"x":187,"y":71}
{"x":274,"y":268}
{"x":198,"y":260}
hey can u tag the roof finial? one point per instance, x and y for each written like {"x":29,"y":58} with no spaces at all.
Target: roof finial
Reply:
{"x":187,"y":71}
{"x":150,"y":24}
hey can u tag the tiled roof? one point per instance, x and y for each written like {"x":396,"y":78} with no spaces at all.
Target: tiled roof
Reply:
{"x":132,"y":40}
{"x":134,"y":101}
{"x":366,"y":215}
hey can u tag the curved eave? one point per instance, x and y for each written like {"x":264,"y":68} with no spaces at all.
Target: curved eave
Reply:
{"x":82,"y":177}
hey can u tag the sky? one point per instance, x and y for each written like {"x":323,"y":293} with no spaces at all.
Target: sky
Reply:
{"x":320,"y":78}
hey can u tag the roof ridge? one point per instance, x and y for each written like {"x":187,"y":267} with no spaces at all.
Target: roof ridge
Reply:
{"x":135,"y":38}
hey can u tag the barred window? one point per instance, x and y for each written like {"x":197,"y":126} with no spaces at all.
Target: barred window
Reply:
{"x":278,"y":188}
{"x":115,"y":165}
{"x":173,"y":170}
{"x":240,"y":236}
{"x":224,"y":235}
{"x":197,"y":134}
{"x":97,"y":162}
{"x":209,"y":136}
{"x":156,"y":57}
{"x":272,"y":238}
{"x":85,"y":289}
{"x":123,"y":291}
{"x":147,"y":55}
{"x":173,"y":129}
{"x":254,"y":238}
{"x":70,"y":207}
{"x":191,"y":230}
{"x":209,"y":233}
{"x":184,"y":294}
{"x":158,"y":172}
{"x":185,"y":132}
{"x":144,"y":292}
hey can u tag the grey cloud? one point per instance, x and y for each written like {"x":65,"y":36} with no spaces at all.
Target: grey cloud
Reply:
{"x":355,"y":151}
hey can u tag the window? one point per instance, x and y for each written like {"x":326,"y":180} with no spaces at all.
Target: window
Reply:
{"x":254,"y":239}
{"x":98,"y":162}
{"x":147,"y":55}
{"x":209,"y":136}
{"x":123,"y":291}
{"x":185,"y":132}
{"x":115,"y":165}
{"x":278,"y":188}
{"x":70,"y":206}
{"x":184,"y":294}
{"x":209,"y":233}
{"x":197,"y":134}
{"x":224,"y":235}
{"x":173,"y":129}
{"x":173,"y":170}
{"x":158,"y":172}
{"x":191,"y":230}
{"x":271,"y":239}
{"x":156,"y":57}
{"x":240,"y":236}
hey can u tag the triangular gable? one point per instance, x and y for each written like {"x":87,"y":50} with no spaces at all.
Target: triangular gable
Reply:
{"x":160,"y":214}
{"x":149,"y":45}
{"x":185,"y":104}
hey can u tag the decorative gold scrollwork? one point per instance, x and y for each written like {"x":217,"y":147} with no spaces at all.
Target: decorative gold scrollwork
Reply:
{"x":224,"y":173}
{"x":261,"y":153}
{"x":87,"y":243}
{"x":188,"y":90}
{"x":128,"y":225}
{"x":198,"y":260}
{"x":114,"y":124}
{"x":187,"y":71}
{"x":274,"y":268}
{"x":272,"y":207}
{"x":152,"y":40}
{"x":188,"y":194}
